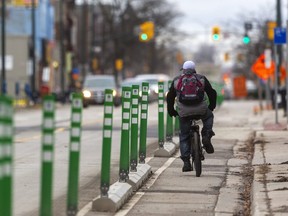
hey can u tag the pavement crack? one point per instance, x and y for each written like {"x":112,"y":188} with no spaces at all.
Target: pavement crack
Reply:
{"x":265,"y":170}
{"x":182,"y":191}
{"x":247,"y":176}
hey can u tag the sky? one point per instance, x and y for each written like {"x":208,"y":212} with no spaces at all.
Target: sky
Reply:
{"x":203,"y":14}
{"x":199,"y":16}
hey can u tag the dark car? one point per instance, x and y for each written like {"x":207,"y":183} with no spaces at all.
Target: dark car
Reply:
{"x":94,"y":86}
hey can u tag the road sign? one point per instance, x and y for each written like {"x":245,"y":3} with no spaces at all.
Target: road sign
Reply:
{"x":279,"y":35}
{"x":261,"y":70}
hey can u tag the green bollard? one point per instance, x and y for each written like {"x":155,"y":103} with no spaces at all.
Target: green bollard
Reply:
{"x":48,"y":127}
{"x":134,"y":128}
{"x":107,"y":142}
{"x":124,"y":152}
{"x":169,"y":123}
{"x":161,"y":114}
{"x":176,"y":126}
{"x":74,"y":155}
{"x":143,"y":122}
{"x":6,"y":155}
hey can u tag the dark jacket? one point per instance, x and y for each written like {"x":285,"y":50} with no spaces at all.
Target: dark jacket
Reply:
{"x":172,"y":93}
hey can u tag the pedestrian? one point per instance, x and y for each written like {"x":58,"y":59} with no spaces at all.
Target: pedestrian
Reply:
{"x":189,"y":89}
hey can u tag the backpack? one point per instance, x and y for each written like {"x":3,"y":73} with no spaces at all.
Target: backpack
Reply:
{"x":190,"y":89}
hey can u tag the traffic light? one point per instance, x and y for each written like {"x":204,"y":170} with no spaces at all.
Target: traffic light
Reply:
{"x":246,"y":39}
{"x":216,"y":33}
{"x":146,"y":31}
{"x":270,"y":25}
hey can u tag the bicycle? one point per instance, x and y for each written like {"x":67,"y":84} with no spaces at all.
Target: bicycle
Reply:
{"x":197,"y":151}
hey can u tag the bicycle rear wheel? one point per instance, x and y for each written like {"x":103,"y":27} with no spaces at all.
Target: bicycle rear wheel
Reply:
{"x":197,"y":154}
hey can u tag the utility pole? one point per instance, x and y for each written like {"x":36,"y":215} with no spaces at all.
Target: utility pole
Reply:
{"x":3,"y":74}
{"x":279,"y":47}
{"x":33,"y":86}
{"x":62,"y":51}
{"x":286,"y":96}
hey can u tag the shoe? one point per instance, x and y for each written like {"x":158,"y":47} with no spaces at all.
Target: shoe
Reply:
{"x":206,"y":140}
{"x":187,"y":167}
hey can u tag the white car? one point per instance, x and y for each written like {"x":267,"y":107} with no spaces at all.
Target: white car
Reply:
{"x":153,"y":80}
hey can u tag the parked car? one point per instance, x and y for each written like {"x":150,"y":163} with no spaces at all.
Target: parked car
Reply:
{"x":153,"y":80}
{"x":94,"y":86}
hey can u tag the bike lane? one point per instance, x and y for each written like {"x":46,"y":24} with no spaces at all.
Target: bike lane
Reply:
{"x":169,"y":191}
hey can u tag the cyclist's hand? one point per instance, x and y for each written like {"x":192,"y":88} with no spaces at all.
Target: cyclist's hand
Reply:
{"x":173,"y":113}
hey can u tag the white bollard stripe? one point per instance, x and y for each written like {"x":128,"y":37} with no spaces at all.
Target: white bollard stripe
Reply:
{"x":126,"y":115}
{"x":135,"y":101}
{"x":108,"y":109}
{"x":107,"y":134}
{"x":75,"y":147}
{"x":144,"y":98}
{"x":75,"y":132}
{"x":144,"y":116}
{"x":144,"y":107}
{"x":7,"y":150}
{"x":134,"y":121}
{"x":107,"y":121}
{"x":126,"y":105}
{"x":76,"y":117}
{"x":48,"y":123}
{"x":161,"y":109}
{"x":125,"y":126}
{"x":7,"y":169}
{"x":47,"y":156}
{"x":48,"y":139}
{"x":134,"y":111}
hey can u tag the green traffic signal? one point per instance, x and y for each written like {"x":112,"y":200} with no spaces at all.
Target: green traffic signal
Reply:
{"x":144,"y":37}
{"x":215,"y":37}
{"x":246,"y":39}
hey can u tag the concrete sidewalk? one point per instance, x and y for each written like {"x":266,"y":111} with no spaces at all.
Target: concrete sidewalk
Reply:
{"x":247,"y":174}
{"x":270,"y":163}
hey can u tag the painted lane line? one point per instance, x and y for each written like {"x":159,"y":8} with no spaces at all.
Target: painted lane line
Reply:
{"x":137,"y":196}
{"x":88,"y":207}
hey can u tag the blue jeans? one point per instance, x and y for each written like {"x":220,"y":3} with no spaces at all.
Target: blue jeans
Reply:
{"x":207,"y":120}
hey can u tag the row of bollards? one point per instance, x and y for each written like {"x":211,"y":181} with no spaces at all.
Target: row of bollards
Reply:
{"x":132,"y":168}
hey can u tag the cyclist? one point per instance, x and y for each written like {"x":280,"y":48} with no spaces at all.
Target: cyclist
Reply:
{"x":186,"y":112}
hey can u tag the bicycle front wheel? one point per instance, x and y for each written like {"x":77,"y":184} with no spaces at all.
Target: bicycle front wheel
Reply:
{"x":197,"y":155}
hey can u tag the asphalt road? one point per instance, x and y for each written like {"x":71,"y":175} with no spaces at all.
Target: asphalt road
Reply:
{"x":27,"y":151}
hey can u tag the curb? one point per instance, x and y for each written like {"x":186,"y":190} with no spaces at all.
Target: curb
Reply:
{"x":167,"y":151}
{"x":118,"y":193}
